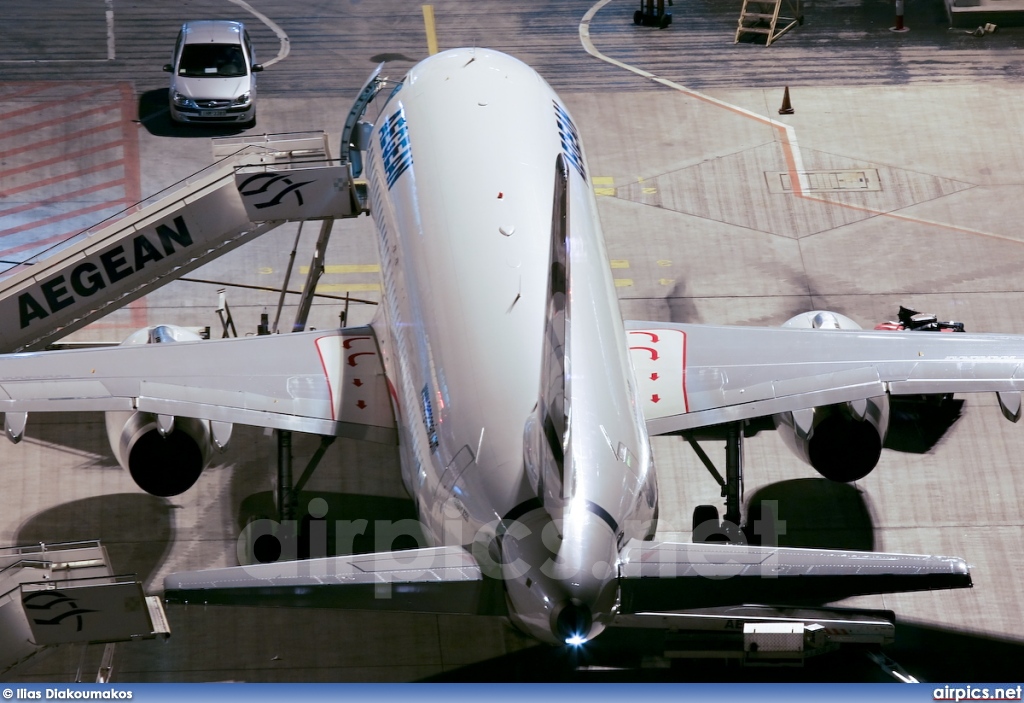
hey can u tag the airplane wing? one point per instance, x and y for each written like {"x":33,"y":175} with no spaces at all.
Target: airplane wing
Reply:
{"x":694,"y":376}
{"x":427,"y":580}
{"x":320,"y":382}
{"x":668,"y":576}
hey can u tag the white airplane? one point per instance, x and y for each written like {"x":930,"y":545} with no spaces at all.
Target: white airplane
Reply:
{"x":521,"y":403}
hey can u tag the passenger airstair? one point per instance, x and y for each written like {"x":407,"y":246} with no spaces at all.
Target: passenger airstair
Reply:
{"x":259,"y":184}
{"x":68,"y":594}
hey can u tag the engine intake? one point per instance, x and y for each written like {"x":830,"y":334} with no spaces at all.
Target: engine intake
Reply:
{"x":842,"y":442}
{"x":164,"y":455}
{"x":160,"y":465}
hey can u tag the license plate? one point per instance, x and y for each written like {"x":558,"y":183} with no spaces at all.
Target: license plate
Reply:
{"x":212,"y":113}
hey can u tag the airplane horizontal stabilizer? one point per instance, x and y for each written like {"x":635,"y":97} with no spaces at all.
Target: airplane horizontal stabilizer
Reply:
{"x":664,"y":576}
{"x":429,"y":580}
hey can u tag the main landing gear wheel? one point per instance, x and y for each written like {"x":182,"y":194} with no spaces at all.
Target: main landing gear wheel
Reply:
{"x":706,"y":525}
{"x":732,"y":489}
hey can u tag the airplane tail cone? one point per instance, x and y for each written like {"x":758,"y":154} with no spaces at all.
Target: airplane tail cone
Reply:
{"x":787,"y":108}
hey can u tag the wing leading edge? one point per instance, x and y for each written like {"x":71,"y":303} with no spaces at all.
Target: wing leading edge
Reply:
{"x":692,"y":376}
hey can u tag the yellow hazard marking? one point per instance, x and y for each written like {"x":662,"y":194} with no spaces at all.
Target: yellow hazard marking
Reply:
{"x":664,"y":262}
{"x":347,"y":287}
{"x":264,"y":270}
{"x":603,"y":185}
{"x":428,"y":22}
{"x":649,"y":191}
{"x":620,"y":263}
{"x":346,"y":268}
{"x":623,"y":282}
{"x":667,"y":281}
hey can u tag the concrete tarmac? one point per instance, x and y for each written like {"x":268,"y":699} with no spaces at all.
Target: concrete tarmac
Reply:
{"x":913,"y":174}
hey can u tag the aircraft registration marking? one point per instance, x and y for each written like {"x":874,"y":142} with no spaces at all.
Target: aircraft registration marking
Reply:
{"x":659,"y":361}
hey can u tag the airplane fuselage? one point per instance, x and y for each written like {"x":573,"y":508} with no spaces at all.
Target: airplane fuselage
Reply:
{"x":465,"y":298}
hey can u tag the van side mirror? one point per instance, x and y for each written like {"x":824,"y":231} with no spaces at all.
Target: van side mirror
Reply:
{"x":257,"y":67}
{"x":168,"y":67}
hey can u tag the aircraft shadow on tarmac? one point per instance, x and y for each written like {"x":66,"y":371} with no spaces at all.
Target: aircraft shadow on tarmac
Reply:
{"x":136,"y":529}
{"x":349,"y":524}
{"x":789,"y":514}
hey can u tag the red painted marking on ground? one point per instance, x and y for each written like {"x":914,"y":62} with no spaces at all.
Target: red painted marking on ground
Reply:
{"x":67,"y":156}
{"x":66,"y":100}
{"x":130,"y":134}
{"x":102,"y":109}
{"x":95,"y":207}
{"x":54,"y":239}
{"x":64,"y":177}
{"x":60,"y":198}
{"x":122,"y":110}
{"x":57,"y":140}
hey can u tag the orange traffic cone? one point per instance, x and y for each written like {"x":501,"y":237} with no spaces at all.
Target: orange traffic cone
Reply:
{"x":786,"y":108}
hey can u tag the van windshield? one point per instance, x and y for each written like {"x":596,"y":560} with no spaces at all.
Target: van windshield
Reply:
{"x":213,"y":60}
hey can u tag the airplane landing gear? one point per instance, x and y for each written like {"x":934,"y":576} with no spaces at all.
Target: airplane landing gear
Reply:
{"x":287,"y":492}
{"x":706,"y":526}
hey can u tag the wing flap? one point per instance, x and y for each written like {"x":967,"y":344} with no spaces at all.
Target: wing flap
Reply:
{"x":428,"y":580}
{"x":664,"y":576}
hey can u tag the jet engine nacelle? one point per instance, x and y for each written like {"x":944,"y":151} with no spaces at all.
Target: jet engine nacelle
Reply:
{"x":160,"y":465}
{"x":164,"y":455}
{"x":842,"y":442}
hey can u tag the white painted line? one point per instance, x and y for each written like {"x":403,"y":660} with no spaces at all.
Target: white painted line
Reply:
{"x":789,"y":146}
{"x":286,"y":46}
{"x":791,"y":150}
{"x":110,"y":30}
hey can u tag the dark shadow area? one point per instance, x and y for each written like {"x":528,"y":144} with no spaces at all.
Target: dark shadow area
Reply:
{"x":386,"y":57}
{"x":134,"y":527}
{"x":154,"y":115}
{"x":939,"y":654}
{"x":810,"y":512}
{"x":630,"y":655}
{"x":341,"y":523}
{"x":89,"y":437}
{"x":916,"y":424}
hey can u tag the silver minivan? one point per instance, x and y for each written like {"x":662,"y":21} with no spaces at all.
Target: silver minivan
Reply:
{"x":213,"y":74}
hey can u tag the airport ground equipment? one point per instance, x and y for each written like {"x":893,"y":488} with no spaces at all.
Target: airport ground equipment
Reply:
{"x":652,"y":14}
{"x":764,"y":17}
{"x":258,"y":184}
{"x":53,"y":595}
